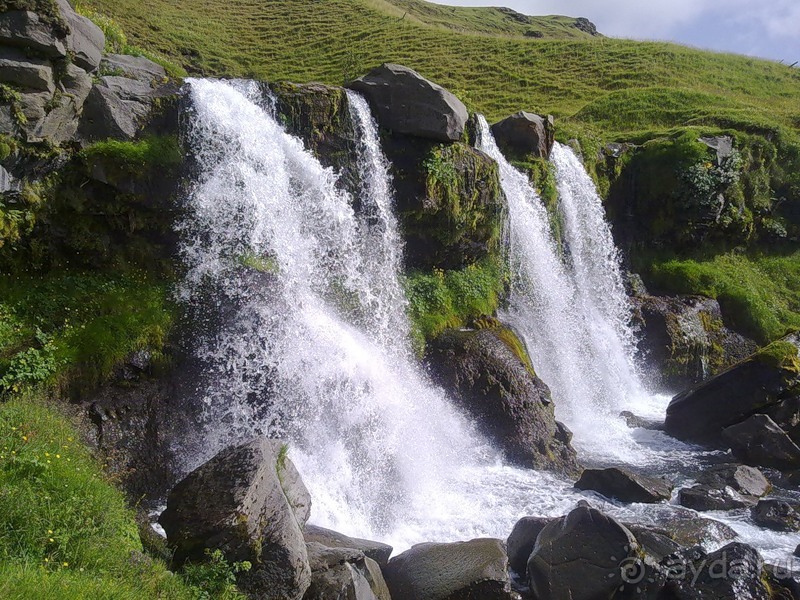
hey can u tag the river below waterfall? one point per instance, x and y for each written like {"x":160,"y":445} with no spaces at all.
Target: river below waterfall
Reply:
{"x":315,"y":344}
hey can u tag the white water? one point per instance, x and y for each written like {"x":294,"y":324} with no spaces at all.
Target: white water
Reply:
{"x":315,"y":350}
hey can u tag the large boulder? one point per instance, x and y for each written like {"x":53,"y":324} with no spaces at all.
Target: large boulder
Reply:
{"x":684,"y":340}
{"x":377,"y":551}
{"x":405,"y":102}
{"x":85,"y":40}
{"x":688,"y":529}
{"x":767,"y":382}
{"x":490,"y":374}
{"x":525,"y":135}
{"x":625,"y":485}
{"x":474,"y":569}
{"x":705,"y":497}
{"x":239,"y":502}
{"x":578,"y":557}
{"x":26,"y":29}
{"x":760,"y":441}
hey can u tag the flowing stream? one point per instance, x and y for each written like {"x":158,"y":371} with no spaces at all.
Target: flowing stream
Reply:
{"x":310,"y":340}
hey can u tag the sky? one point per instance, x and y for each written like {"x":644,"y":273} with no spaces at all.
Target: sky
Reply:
{"x":763,"y":28}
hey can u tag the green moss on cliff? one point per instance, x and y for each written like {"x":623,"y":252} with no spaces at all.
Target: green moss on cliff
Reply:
{"x":780,"y":355}
{"x":506,"y":335}
{"x":126,"y":160}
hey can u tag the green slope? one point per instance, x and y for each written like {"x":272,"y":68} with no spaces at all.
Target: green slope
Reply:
{"x":592,"y":80}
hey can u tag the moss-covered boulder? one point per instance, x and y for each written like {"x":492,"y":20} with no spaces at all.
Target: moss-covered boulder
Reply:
{"x":767,"y":383}
{"x":449,"y":200}
{"x":488,"y":372}
{"x":319,"y":115}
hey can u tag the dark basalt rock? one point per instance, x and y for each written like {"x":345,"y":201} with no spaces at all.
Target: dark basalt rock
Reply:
{"x":624,"y":485}
{"x":655,"y":542}
{"x":765,"y":383}
{"x":405,"y":102}
{"x":704,"y":497}
{"x":474,"y":569}
{"x":743,"y":479}
{"x":778,"y":515}
{"x":377,"y":551}
{"x":732,"y":572}
{"x":25,"y":29}
{"x":578,"y":557}
{"x":524,"y":135}
{"x":489,"y":373}
{"x":688,"y":529}
{"x":760,"y":441}
{"x":586,"y":26}
{"x":246,"y":501}
{"x":522,"y":540}
{"x":636,"y":422}
{"x":684,"y":339}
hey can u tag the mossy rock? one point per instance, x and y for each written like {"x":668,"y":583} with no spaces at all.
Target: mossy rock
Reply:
{"x":319,"y":115}
{"x":450,"y":202}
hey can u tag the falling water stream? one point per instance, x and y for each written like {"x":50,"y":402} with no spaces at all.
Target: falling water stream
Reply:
{"x":311,"y":339}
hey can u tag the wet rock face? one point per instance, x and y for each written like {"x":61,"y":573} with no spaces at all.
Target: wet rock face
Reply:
{"x":684,"y":340}
{"x":376,"y":551}
{"x":474,"y":569}
{"x":493,"y":380}
{"x":778,"y":515}
{"x":407,"y":103}
{"x":522,"y":540}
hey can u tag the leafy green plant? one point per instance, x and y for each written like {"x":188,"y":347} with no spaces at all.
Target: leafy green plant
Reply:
{"x":216,"y":577}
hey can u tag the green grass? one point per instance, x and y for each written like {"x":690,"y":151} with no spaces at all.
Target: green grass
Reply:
{"x":759,"y":294}
{"x":65,"y":530}
{"x":446,"y":299}
{"x":583,"y":81}
{"x":76,"y":327}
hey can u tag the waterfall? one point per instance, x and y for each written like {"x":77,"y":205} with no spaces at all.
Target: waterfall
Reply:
{"x":314,"y":349}
{"x":572,"y":309}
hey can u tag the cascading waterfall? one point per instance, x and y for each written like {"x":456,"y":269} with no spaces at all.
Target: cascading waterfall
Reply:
{"x":316,"y":347}
{"x":308,"y":339}
{"x":572,"y":312}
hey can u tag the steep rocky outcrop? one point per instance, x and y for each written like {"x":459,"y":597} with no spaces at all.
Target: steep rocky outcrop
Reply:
{"x":249,"y":502}
{"x":489,"y":373}
{"x":474,"y":569}
{"x":405,"y":102}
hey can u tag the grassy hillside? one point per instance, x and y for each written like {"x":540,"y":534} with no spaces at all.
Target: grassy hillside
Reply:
{"x":619,"y":87}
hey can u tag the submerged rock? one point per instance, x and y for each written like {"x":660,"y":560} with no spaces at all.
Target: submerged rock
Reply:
{"x":488,"y":372}
{"x":525,"y":135}
{"x":243,"y":502}
{"x":474,"y":569}
{"x":705,"y":497}
{"x":624,"y":485}
{"x":578,"y":557}
{"x":405,"y":102}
